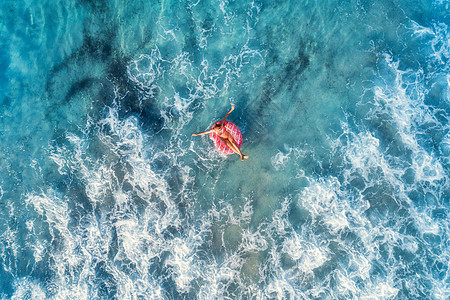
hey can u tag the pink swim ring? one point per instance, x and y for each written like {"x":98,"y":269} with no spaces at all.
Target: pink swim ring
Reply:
{"x":232,"y":129}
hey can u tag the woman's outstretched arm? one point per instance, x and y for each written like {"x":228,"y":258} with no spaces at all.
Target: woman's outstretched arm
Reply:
{"x":226,"y":116}
{"x":202,"y":133}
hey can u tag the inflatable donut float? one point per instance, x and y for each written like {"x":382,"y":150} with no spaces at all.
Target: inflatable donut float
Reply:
{"x":232,"y":129}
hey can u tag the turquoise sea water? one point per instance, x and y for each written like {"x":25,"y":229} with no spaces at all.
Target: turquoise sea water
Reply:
{"x":344,"y":107}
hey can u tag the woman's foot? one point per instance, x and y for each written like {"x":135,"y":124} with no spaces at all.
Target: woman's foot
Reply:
{"x":244,"y":157}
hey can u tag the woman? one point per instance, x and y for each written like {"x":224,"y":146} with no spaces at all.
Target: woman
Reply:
{"x":225,"y":136}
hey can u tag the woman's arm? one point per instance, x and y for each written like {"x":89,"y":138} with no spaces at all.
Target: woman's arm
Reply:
{"x":202,"y":133}
{"x":226,"y":116}
{"x":221,"y":122}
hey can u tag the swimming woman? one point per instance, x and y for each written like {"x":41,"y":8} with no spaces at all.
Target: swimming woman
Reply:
{"x":224,"y":135}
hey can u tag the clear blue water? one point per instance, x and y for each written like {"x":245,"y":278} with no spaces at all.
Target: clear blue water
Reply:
{"x":344,"y":107}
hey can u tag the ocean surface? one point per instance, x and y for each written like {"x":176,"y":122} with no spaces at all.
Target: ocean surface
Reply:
{"x":344,"y":107}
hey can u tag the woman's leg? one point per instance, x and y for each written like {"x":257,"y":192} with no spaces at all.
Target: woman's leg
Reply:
{"x":232,"y":144}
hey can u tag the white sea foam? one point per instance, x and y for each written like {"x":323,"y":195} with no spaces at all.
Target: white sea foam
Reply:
{"x":307,"y":255}
{"x":144,"y":71}
{"x":380,"y":288}
{"x":219,"y":276}
{"x":342,"y":207}
{"x":322,"y":200}
{"x":408,"y":111}
{"x":28,"y":289}
{"x":438,"y":36}
{"x":253,"y":241}
{"x":9,"y":247}
{"x":141,"y":236}
{"x":54,"y":209}
{"x":445,"y":148}
{"x":280,"y":159}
